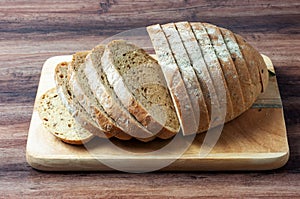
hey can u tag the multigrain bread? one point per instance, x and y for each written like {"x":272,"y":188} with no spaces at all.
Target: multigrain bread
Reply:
{"x":72,"y":104}
{"x":196,"y":57}
{"x":228,"y":68}
{"x":175,"y":83}
{"x":139,"y":83}
{"x":85,"y":95}
{"x":106,"y":96}
{"x":58,"y":121}
{"x":188,"y":75}
{"x":77,"y":59}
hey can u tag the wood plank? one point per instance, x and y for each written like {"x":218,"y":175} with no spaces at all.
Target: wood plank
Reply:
{"x":194,"y":185}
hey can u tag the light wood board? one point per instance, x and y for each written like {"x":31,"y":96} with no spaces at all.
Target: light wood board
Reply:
{"x":256,"y":140}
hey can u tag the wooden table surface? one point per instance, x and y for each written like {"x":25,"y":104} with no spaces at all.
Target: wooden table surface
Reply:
{"x":32,"y":31}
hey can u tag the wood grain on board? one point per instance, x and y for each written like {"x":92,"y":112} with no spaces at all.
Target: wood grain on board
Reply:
{"x":32,"y":31}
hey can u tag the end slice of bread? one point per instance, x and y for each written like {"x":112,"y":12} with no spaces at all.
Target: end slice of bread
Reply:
{"x":58,"y":121}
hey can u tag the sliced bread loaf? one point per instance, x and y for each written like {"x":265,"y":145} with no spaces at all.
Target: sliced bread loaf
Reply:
{"x":216,"y":73}
{"x":58,"y":121}
{"x":85,"y":96}
{"x":139,"y":83}
{"x":188,"y":75}
{"x":228,"y":68}
{"x":106,"y":96}
{"x":197,"y":60}
{"x":72,"y":104}
{"x":175,"y":83}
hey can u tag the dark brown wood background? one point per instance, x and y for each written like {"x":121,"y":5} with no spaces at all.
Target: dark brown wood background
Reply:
{"x":32,"y":31}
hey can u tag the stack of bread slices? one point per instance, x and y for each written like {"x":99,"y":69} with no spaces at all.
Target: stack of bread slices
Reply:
{"x":200,"y":77}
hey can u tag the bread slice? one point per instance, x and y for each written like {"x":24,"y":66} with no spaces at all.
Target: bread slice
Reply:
{"x":139,"y":83}
{"x":197,"y":60}
{"x":72,"y":104}
{"x":106,"y":96}
{"x":80,"y":88}
{"x":188,"y":75}
{"x":254,"y":61}
{"x":216,"y":73}
{"x":77,"y":59}
{"x":247,"y":84}
{"x":228,"y":68}
{"x":58,"y":121}
{"x":175,"y":83}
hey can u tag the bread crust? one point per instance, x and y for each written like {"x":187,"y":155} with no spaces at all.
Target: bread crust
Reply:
{"x":256,"y":61}
{"x":228,"y":68}
{"x":251,"y":61}
{"x":188,"y":74}
{"x":113,"y":108}
{"x":241,"y":67}
{"x":92,"y":107}
{"x":128,"y":100}
{"x":179,"y":94}
{"x":196,"y":56}
{"x":56,"y":117}
{"x":216,"y":73}
{"x":72,"y":104}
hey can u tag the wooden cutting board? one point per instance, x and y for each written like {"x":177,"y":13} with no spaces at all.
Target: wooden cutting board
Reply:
{"x":256,"y":140}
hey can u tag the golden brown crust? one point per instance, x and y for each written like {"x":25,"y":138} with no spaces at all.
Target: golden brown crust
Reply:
{"x":188,"y":74}
{"x":216,"y":73}
{"x":72,"y":104}
{"x":261,"y":65}
{"x":110,"y":103}
{"x":88,"y":104}
{"x":129,"y":101}
{"x":253,"y":60}
{"x":248,"y":88}
{"x":228,"y":68}
{"x":174,"y":80}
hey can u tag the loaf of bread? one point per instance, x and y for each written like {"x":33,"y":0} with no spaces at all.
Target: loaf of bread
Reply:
{"x":224,"y":61}
{"x":202,"y":76}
